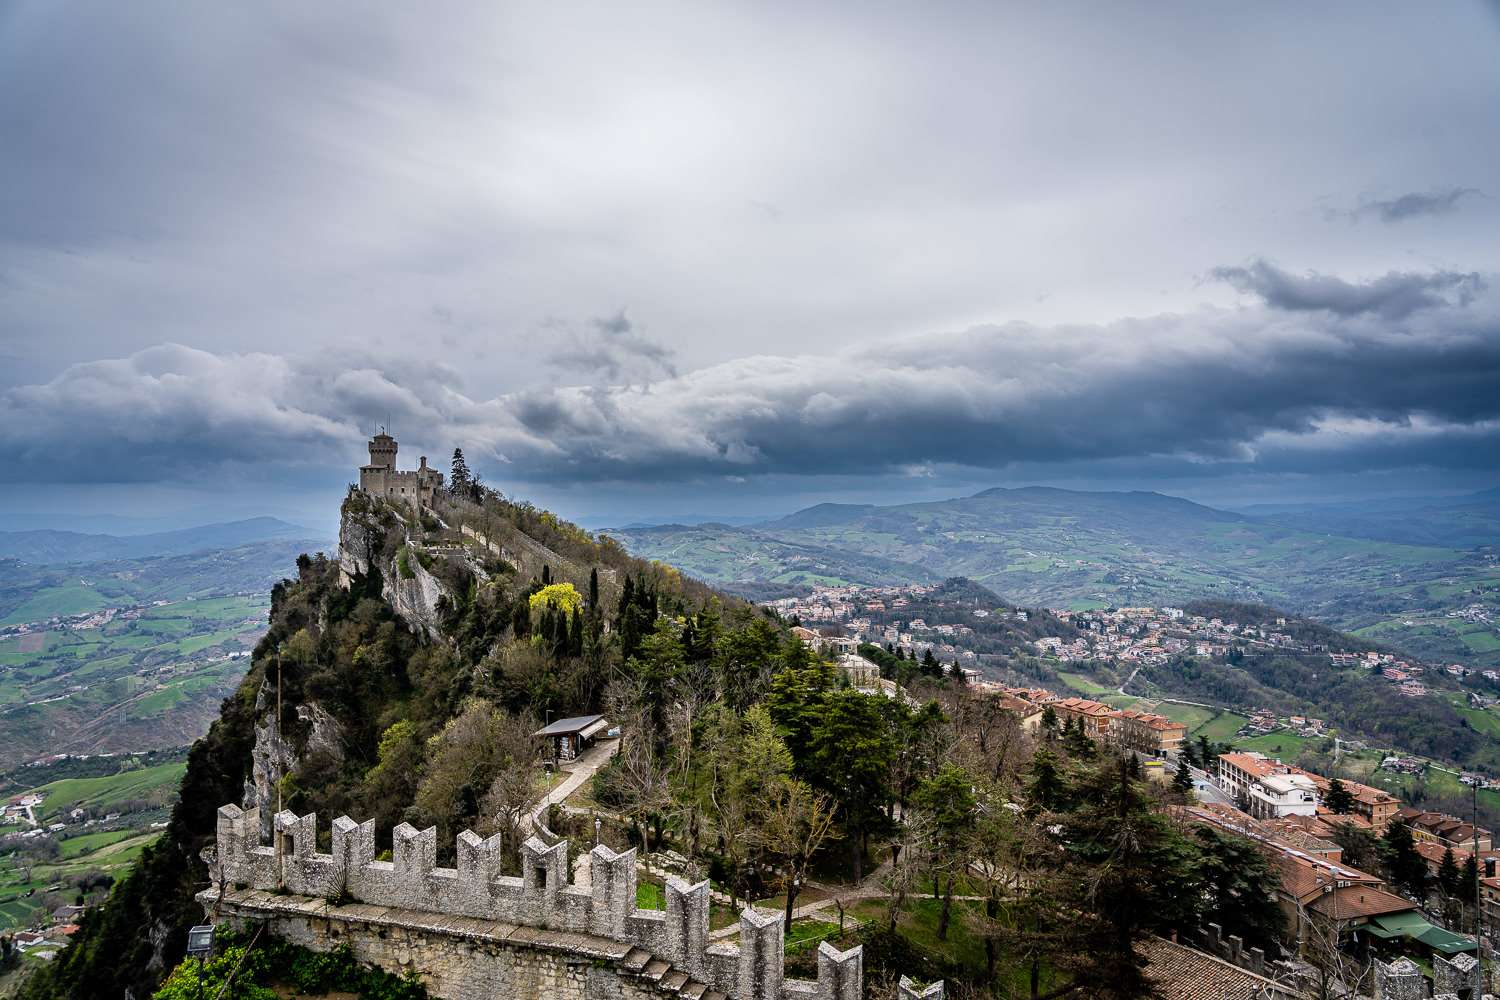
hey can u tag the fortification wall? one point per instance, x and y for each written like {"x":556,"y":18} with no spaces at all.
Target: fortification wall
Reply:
{"x":474,"y":896}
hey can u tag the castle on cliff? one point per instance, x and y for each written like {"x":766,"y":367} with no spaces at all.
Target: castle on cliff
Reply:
{"x":380,"y":478}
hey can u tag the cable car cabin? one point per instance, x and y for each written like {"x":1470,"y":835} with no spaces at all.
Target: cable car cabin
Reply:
{"x":567,"y":738}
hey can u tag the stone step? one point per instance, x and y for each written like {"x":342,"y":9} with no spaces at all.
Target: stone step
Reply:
{"x":694,"y":990}
{"x":674,"y":980}
{"x":713,"y":995}
{"x":655,"y":969}
{"x":636,"y":959}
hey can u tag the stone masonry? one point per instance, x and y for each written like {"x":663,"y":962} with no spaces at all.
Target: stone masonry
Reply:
{"x":474,"y":934}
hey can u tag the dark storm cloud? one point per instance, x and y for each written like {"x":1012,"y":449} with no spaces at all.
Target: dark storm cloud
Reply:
{"x":1325,"y":373}
{"x":1412,"y":205}
{"x":1395,"y":295}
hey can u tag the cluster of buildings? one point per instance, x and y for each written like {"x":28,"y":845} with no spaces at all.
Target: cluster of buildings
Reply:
{"x":864,"y":614}
{"x":1154,"y":635}
{"x":849,"y":605}
{"x":1320,"y":892}
{"x":1263,"y":720}
{"x":1270,"y":789}
{"x":46,"y":942}
{"x":1129,"y":729}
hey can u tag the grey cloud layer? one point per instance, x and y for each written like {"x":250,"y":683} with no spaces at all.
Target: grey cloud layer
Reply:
{"x":1414,"y":204}
{"x":1394,"y":296}
{"x":1322,"y":373}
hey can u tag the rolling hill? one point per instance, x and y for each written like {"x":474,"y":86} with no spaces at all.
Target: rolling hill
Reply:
{"x":46,"y":546}
{"x":1071,"y":549}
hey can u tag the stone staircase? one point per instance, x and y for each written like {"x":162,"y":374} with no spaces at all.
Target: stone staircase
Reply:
{"x":668,"y":978}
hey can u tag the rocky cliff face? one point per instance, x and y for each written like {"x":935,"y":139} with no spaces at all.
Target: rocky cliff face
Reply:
{"x":374,"y":537}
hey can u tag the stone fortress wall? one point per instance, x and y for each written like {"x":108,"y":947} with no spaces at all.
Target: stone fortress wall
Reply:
{"x":579,"y":926}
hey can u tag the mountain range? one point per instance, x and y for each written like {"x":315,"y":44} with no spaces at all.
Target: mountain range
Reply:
{"x":49,"y":546}
{"x":1401,"y":574}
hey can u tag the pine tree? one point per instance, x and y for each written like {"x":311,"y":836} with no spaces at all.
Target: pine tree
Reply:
{"x":1407,"y":869}
{"x":1338,"y":800}
{"x":594,"y":587}
{"x":460,"y":481}
{"x":1182,"y":781}
{"x":1447,"y":876}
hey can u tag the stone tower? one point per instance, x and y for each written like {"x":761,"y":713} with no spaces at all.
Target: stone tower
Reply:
{"x":383,"y":451}
{"x":380,"y":478}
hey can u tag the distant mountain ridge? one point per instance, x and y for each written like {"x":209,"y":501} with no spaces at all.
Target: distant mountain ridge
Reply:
{"x":1397,"y":573}
{"x":51,"y":547}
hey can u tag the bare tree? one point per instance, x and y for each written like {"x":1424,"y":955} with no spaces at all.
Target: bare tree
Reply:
{"x":643,"y":771}
{"x":513,"y":789}
{"x":795,"y":829}
{"x":1336,"y":974}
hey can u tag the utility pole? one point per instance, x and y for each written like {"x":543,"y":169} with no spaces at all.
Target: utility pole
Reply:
{"x":1478,"y":881}
{"x":275,"y":833}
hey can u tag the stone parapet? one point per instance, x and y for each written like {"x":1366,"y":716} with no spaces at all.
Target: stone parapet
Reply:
{"x":542,"y":901}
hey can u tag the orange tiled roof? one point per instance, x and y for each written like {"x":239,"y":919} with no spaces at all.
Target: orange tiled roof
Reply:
{"x":1182,"y":973}
{"x":1356,"y":901}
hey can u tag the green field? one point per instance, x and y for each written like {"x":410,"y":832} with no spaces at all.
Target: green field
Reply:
{"x":1192,"y":716}
{"x":150,"y":678}
{"x":1221,"y":728}
{"x":1279,"y":744}
{"x":70,"y":793}
{"x":1085,"y":685}
{"x":27,"y":879}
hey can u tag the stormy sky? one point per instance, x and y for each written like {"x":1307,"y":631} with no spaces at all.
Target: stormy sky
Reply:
{"x":650,"y":259}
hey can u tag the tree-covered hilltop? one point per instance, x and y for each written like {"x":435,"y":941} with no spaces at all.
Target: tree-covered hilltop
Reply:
{"x":414,"y":668}
{"x":395,"y":718}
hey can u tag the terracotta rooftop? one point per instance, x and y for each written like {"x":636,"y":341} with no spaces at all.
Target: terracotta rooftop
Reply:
{"x":1182,"y":973}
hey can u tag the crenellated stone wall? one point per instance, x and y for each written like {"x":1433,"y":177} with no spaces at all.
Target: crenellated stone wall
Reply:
{"x":322,"y":900}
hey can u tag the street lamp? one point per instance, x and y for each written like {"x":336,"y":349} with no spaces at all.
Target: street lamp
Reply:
{"x":200,"y":943}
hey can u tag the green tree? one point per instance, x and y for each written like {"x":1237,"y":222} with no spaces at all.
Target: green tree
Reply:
{"x":1140,"y":873}
{"x":948,"y":799}
{"x":850,"y":758}
{"x":1406,"y":868}
{"x":1046,"y":791}
{"x":1448,"y":876}
{"x":1338,"y":799}
{"x":1049,"y":722}
{"x":1360,"y":845}
{"x":1239,"y":885}
{"x":1182,"y":781}
{"x":460,"y":482}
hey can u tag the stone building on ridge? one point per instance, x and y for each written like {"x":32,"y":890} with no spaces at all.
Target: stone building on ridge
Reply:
{"x":380,"y":478}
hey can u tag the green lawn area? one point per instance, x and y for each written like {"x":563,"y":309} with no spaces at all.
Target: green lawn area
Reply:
{"x":650,"y":896}
{"x":806,"y":933}
{"x":1084,"y":685}
{"x":1221,"y":728}
{"x":1280,"y":744}
{"x":1192,"y":716}
{"x":1483,"y":721}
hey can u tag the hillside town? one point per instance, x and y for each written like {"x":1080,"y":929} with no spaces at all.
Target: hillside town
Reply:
{"x":1304,"y":822}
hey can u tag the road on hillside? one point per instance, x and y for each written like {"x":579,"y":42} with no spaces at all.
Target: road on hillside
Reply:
{"x":1203,"y":787}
